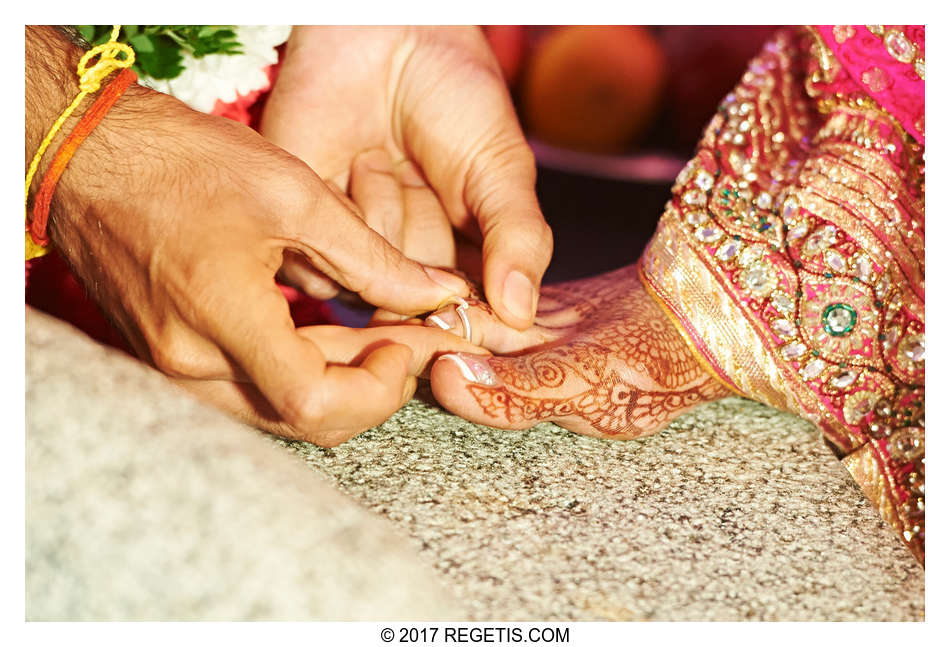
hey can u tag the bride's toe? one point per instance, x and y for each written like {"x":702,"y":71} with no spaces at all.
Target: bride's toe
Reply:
{"x":475,"y":321}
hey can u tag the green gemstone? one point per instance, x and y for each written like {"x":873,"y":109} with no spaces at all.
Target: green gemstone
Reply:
{"x":839,"y":319}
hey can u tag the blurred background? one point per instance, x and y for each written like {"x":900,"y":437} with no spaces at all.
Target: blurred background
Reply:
{"x":613,"y":113}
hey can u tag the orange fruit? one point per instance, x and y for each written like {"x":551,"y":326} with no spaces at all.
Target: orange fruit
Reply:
{"x":593,"y":88}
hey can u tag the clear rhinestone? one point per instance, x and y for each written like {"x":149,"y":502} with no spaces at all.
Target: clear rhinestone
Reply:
{"x":750,"y":255}
{"x":899,"y":46}
{"x":798,"y":231}
{"x":820,"y":240}
{"x":729,"y":250}
{"x":738,"y":139}
{"x":695,"y":198}
{"x":814,"y":368}
{"x":745,"y":108}
{"x":835,"y":261}
{"x":890,"y":337}
{"x":858,"y":405}
{"x":696,"y":217}
{"x":704,"y":180}
{"x":709,"y":234}
{"x":793,"y":350}
{"x":764,"y":201}
{"x":919,"y":67}
{"x":739,"y":162}
{"x":759,"y":279}
{"x":844,"y":380}
{"x":744,"y":126}
{"x":862,"y":264}
{"x":912,"y":348}
{"x":813,"y":245}
{"x":790,"y":208}
{"x":907,"y":443}
{"x":883,"y":286}
{"x":685,"y":173}
{"x":783,"y":303}
{"x":838,"y":319}
{"x":784,"y":327}
{"x":877,"y":30}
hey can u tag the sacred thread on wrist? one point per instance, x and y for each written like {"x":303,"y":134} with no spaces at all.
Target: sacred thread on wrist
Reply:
{"x":90,"y":78}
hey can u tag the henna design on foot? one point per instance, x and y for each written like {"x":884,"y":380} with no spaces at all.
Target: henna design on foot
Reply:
{"x":615,"y":366}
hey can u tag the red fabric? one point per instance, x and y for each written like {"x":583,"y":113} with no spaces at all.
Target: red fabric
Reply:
{"x":53,"y":288}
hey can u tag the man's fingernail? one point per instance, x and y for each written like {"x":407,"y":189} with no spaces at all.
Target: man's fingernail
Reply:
{"x":449,"y":281}
{"x":474,"y":368}
{"x":446,"y":319}
{"x":517,"y":294}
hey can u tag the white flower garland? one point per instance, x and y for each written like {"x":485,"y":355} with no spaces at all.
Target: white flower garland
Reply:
{"x":224,"y":77}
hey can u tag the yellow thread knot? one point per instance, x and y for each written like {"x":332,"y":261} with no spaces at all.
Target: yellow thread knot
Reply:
{"x":108,"y":53}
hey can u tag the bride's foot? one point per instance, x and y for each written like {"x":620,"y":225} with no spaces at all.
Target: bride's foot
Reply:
{"x":602,"y":359}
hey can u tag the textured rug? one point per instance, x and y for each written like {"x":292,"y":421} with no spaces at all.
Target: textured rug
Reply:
{"x":734,"y":512}
{"x":145,"y":504}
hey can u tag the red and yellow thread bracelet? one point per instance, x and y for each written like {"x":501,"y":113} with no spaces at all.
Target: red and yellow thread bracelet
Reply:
{"x":90,"y":78}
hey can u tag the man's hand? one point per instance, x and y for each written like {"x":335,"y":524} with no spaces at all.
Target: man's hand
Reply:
{"x":418,"y":125}
{"x":177,"y":222}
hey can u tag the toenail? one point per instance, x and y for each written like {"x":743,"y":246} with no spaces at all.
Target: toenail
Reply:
{"x":473,"y":368}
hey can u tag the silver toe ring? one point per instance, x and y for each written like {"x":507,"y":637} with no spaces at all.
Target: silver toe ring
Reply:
{"x":461,"y":305}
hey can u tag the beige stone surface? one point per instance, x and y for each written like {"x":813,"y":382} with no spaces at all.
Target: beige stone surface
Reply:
{"x":143,"y":504}
{"x":735,"y":512}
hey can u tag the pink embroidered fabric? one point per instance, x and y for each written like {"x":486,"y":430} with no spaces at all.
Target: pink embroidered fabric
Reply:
{"x":888,"y":67}
{"x":792,"y":251}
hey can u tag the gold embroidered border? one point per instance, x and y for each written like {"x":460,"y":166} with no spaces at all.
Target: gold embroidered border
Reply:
{"x":727,"y":335}
{"x":865,"y":468}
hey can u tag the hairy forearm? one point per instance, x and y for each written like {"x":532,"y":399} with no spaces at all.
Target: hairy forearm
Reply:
{"x":50,"y":80}
{"x":109,"y":166}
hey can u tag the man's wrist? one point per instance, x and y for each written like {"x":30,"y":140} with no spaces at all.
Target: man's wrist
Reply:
{"x":101,"y":164}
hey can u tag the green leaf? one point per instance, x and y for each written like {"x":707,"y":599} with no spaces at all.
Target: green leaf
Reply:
{"x":164,"y":61}
{"x":142,"y":44}
{"x":88,"y":32}
{"x":159,"y":48}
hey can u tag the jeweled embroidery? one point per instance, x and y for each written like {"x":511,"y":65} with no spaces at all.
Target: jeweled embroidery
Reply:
{"x":813,"y":258}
